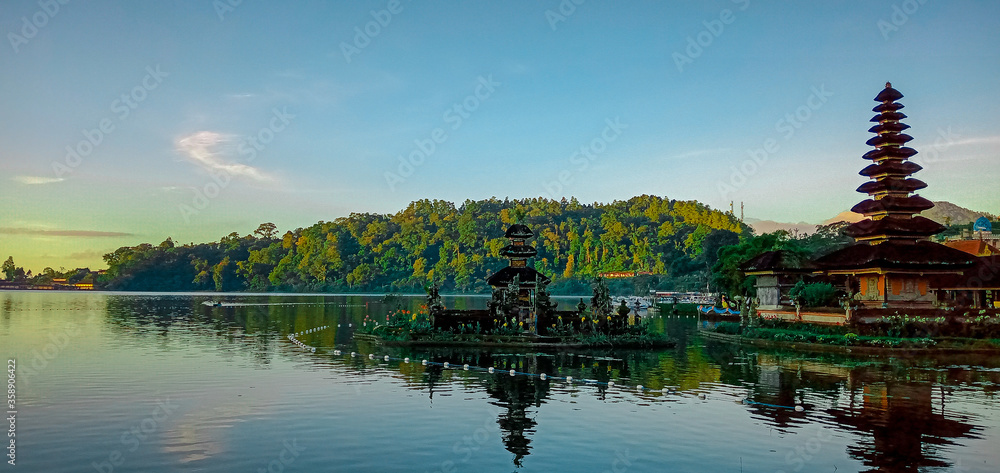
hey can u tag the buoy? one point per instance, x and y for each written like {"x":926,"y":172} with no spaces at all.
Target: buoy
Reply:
{"x":350,"y":325}
{"x":446,"y":364}
{"x":702,"y":396}
{"x":799,"y":408}
{"x":569,"y":379}
{"x":611,"y":384}
{"x":371,"y":356}
{"x":338,"y":325}
{"x":386,"y":358}
{"x":465,"y":367}
{"x":639,"y":387}
{"x":313,"y":349}
{"x":512,"y":372}
{"x":490,"y":370}
{"x":542,"y":376}
{"x":424,"y":362}
{"x":353,"y":354}
{"x":406,"y":360}
{"x":336,"y":352}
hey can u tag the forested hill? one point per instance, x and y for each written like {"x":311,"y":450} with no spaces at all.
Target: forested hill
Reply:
{"x":433,"y":240}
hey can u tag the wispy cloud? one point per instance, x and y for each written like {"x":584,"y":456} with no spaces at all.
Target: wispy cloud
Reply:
{"x":36,"y":180}
{"x":980,"y":140}
{"x":208,"y":149}
{"x":62,"y":233}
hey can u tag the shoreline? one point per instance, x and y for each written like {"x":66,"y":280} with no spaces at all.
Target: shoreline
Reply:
{"x":842,"y":349}
{"x":508,"y":342}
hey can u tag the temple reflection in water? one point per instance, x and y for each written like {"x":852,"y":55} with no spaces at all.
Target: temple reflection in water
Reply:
{"x":898,"y":414}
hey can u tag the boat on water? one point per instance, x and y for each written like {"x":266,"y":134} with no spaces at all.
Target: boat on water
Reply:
{"x":712,"y":310}
{"x":673,"y":297}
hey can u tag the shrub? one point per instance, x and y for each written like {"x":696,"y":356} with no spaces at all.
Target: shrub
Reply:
{"x":819,"y":294}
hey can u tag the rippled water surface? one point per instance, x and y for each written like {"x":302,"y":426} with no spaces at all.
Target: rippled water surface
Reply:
{"x":155,"y":383}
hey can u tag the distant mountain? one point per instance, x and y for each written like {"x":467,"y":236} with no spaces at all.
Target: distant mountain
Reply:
{"x":943,"y":212}
{"x":767,"y":226}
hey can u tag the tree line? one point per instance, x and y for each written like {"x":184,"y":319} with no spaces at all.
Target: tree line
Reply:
{"x":437,"y":242}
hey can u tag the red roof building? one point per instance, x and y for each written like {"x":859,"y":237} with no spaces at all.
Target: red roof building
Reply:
{"x":973,"y":247}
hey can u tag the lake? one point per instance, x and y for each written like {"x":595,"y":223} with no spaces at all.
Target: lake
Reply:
{"x":115,"y":382}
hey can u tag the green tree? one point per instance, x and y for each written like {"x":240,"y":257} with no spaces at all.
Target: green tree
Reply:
{"x":266,"y":231}
{"x":218,"y":274}
{"x":726,"y":271}
{"x":8,"y":268}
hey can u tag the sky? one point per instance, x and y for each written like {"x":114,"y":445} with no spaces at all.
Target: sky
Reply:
{"x":131,"y":122}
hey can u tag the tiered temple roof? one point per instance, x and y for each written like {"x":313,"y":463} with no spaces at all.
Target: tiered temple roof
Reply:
{"x":518,"y":252}
{"x":892,"y":236}
{"x":891,"y":208}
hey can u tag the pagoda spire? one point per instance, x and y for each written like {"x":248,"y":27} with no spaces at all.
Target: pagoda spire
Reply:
{"x":890,"y":210}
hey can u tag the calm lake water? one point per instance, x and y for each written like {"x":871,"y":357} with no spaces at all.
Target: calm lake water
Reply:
{"x":117,"y":382}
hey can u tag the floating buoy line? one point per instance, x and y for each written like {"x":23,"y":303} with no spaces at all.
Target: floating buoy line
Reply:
{"x":293,"y":337}
{"x":797,"y":407}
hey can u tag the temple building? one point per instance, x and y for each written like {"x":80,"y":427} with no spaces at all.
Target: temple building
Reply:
{"x":892,"y":264}
{"x":518,"y":252}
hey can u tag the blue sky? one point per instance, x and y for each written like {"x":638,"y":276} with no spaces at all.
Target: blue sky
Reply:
{"x":183,"y":88}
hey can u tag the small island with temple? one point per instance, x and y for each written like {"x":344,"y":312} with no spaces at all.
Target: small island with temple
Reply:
{"x":520,"y":313}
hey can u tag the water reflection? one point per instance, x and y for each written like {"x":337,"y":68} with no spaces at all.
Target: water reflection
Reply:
{"x":898,"y":415}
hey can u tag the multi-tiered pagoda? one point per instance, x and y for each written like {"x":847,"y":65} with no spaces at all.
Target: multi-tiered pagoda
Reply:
{"x":518,"y":252}
{"x":892,"y":263}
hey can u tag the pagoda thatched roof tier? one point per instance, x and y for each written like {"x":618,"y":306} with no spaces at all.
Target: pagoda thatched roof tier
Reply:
{"x":778,"y":261}
{"x":890,"y":152}
{"x":917,"y":227}
{"x":518,"y":251}
{"x":888,"y":94}
{"x":888,"y":116}
{"x":898,"y":139}
{"x":891,"y":185}
{"x":889,"y":127}
{"x":911,"y":204}
{"x":904,"y":168}
{"x":527,"y":276}
{"x":519,"y":231}
{"x":921,"y":255}
{"x":887,"y":107}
